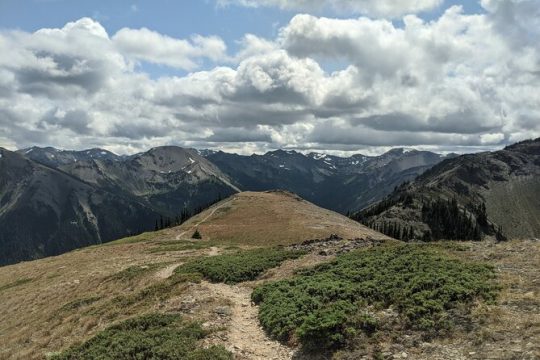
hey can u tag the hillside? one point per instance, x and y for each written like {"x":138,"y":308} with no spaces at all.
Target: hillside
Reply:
{"x":468,"y":197}
{"x":269,"y":218}
{"x":223,"y":298}
{"x":90,"y":288}
{"x":46,"y":212}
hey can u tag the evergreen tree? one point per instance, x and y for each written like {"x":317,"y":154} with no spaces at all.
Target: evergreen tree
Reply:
{"x":448,"y":221}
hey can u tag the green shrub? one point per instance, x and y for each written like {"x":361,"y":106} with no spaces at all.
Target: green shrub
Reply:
{"x":154,"y":336}
{"x":327,"y":304}
{"x":240,"y":266}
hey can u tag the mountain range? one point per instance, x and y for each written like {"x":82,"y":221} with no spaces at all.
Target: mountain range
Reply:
{"x":53,"y":201}
{"x":336,"y":183}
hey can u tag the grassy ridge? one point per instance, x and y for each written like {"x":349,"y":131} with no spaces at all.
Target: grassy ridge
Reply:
{"x":240,"y":266}
{"x":328,"y":304}
{"x":154,"y":336}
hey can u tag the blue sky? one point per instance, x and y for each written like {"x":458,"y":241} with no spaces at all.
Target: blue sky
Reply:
{"x":179,"y":19}
{"x":256,"y":75}
{"x":175,"y":18}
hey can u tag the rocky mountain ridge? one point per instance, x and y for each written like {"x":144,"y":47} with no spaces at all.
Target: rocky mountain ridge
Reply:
{"x":489,"y":193}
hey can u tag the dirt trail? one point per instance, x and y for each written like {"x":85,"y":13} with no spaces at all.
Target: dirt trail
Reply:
{"x":194,"y":226}
{"x":166,"y":272}
{"x":214,"y":251}
{"x":246,"y":339}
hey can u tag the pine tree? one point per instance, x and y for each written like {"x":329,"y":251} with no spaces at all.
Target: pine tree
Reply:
{"x":196,"y":234}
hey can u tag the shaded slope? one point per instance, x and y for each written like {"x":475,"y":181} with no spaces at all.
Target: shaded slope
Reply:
{"x":46,"y":212}
{"x":69,"y":199}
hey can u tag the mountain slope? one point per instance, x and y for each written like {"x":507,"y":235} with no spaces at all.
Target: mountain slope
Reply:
{"x":166,"y":181}
{"x":269,"y":218}
{"x":69,"y":199}
{"x":46,"y":212}
{"x":468,"y":196}
{"x":336,"y":183}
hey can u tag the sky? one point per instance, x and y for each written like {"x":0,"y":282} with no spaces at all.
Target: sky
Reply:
{"x":335,"y":76}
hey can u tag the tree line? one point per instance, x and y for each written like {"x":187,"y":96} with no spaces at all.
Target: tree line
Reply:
{"x":445,"y":218}
{"x":165,"y":222}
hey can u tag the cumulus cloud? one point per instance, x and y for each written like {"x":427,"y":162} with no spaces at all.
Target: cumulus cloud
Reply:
{"x":456,"y":82}
{"x":385,"y":8}
{"x":151,"y":46}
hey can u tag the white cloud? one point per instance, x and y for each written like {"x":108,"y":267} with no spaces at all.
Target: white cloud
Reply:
{"x":252,"y":45}
{"x":460,"y":81}
{"x":385,"y":8}
{"x":147,"y":45}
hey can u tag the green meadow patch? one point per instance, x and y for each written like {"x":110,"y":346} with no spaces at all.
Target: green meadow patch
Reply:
{"x":328,"y":304}
{"x":239,"y":266}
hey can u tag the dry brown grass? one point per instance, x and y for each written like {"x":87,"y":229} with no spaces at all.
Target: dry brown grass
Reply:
{"x":70,"y":297}
{"x":509,"y":329}
{"x":269,"y":218}
{"x":53,"y":310}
